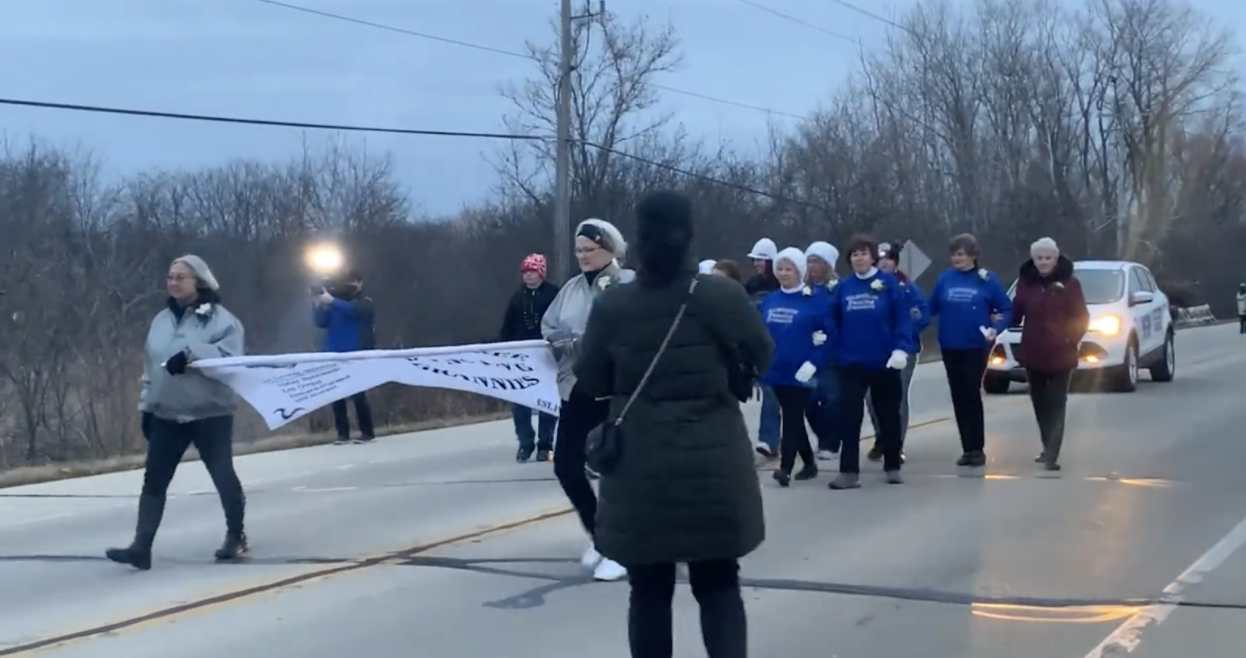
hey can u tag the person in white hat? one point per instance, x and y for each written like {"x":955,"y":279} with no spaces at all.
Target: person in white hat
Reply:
{"x":758,"y":287}
{"x":823,"y":412}
{"x":706,"y":266}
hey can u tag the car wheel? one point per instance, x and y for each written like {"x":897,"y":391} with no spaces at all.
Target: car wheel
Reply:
{"x":996,"y":384}
{"x":1166,"y":368}
{"x":1125,"y":379}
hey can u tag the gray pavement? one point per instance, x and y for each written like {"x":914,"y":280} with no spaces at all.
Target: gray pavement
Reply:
{"x":1019,"y":563}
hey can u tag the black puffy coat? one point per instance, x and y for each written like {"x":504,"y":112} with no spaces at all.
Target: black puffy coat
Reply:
{"x":686,"y":487}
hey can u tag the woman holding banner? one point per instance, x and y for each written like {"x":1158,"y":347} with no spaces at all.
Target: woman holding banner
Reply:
{"x":181,"y":407}
{"x":598,"y":248}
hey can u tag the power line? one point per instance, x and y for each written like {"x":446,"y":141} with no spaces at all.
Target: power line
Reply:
{"x":865,"y":12}
{"x":792,"y":19}
{"x":99,"y":109}
{"x":703,"y":177}
{"x":504,"y":52}
{"x":212,"y":118}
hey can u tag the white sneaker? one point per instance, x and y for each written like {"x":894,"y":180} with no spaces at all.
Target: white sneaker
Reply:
{"x":825,"y":455}
{"x":609,"y":570}
{"x":591,"y":557}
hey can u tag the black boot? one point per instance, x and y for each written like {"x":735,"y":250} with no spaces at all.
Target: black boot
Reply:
{"x":524,"y":454}
{"x":138,"y":553}
{"x":808,"y":472}
{"x":543,"y":454}
{"x":234,"y":547}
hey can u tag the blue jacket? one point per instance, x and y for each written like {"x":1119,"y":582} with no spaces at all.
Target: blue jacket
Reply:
{"x":917,"y":300}
{"x":792,"y":318}
{"x":347,"y":322}
{"x":870,"y":318}
{"x":963,"y":302}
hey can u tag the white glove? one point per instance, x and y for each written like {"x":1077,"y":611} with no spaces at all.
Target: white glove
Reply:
{"x":819,"y":337}
{"x":805,"y":372}
{"x":988,"y":333}
{"x":898,"y":360}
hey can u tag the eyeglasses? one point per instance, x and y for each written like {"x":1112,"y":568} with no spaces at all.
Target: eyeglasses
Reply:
{"x":179,"y":277}
{"x":580,"y":251}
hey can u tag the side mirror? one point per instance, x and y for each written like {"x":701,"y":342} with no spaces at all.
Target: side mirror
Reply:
{"x":1141,"y":297}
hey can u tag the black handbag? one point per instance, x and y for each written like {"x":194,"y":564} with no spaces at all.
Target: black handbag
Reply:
{"x":604,"y":445}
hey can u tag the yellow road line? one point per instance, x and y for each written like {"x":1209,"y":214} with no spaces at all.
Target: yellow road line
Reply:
{"x":268,"y":586}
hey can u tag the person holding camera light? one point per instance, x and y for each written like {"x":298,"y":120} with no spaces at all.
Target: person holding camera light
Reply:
{"x":346,"y":315}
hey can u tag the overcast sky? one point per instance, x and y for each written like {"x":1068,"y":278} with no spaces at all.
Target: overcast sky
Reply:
{"x":246,"y":58}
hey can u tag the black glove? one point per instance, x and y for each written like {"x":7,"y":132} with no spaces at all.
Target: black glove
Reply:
{"x":176,"y":365}
{"x":146,"y":425}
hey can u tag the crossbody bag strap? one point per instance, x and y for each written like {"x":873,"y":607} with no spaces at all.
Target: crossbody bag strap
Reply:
{"x":661,"y":350}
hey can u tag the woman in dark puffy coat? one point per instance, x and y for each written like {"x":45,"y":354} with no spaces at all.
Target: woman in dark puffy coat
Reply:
{"x":685,"y":488}
{"x":1051,"y":310}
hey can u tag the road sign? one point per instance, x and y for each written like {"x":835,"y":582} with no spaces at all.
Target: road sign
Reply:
{"x":912,"y":261}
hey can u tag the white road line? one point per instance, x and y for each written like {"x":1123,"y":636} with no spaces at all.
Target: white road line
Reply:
{"x":1128,"y":636}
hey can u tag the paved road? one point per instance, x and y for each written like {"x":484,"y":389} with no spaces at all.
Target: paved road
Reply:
{"x":1017,"y":563}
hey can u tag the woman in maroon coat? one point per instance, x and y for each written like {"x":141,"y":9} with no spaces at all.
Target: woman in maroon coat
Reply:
{"x":1050,"y":303}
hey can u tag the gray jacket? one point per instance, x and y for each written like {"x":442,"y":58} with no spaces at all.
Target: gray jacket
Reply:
{"x":564,"y":322}
{"x":192,"y":395}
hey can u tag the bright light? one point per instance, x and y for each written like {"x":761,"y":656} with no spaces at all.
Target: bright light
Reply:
{"x":1108,"y":325}
{"x":1090,"y":358}
{"x":324,"y":259}
{"x":997,"y":360}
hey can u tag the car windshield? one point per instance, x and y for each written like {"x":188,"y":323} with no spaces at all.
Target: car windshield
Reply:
{"x":1098,"y":286}
{"x":1101,"y":286}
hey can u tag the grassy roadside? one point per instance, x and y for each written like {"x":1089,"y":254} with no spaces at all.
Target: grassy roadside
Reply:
{"x":69,"y":470}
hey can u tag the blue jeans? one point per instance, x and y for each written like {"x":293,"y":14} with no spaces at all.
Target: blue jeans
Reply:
{"x":823,"y":413}
{"x":768,"y":430}
{"x":543,"y":439}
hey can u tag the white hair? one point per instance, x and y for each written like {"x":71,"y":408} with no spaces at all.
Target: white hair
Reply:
{"x":612,"y":238}
{"x":1044,"y":246}
{"x":200,"y":269}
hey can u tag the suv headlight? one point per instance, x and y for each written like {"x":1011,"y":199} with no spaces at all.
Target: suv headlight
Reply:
{"x":1108,"y":325}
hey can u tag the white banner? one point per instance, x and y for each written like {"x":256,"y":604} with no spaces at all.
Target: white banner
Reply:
{"x":285,"y":387}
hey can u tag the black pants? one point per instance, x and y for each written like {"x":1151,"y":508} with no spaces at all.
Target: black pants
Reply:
{"x":1242,"y":319}
{"x":793,"y":437}
{"x":213,"y":438}
{"x":965,"y":369}
{"x":886,"y":390}
{"x":576,"y":419}
{"x":716,"y":587}
{"x":1049,"y":393}
{"x":363,"y":414}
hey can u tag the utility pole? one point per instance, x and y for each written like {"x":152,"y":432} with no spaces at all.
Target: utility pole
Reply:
{"x":562,"y":150}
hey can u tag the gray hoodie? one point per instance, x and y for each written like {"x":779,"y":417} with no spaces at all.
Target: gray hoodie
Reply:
{"x":214,"y":332}
{"x":564,"y":322}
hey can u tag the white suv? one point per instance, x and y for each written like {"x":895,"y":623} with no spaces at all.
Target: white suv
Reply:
{"x":1131,"y":327}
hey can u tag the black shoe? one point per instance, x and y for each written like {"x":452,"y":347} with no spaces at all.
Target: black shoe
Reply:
{"x":979,"y":459}
{"x":1051,"y":466}
{"x":1041,"y":458}
{"x":783,"y":478}
{"x":765,"y":450}
{"x":903,"y":458}
{"x":808,"y":472}
{"x":341,"y":440}
{"x":235,"y":546}
{"x":543,"y":455}
{"x":135,"y":555}
{"x":874,"y":455}
{"x":965,"y":460}
{"x":523,"y":455}
{"x":363,"y":440}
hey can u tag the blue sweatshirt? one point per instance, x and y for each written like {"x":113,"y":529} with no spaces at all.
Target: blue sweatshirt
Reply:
{"x":918,"y":301}
{"x":792,"y":318}
{"x":347,"y":322}
{"x":869,"y":320}
{"x":963,"y":302}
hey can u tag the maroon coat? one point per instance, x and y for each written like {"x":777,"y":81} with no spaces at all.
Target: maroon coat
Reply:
{"x":1055,"y":316}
